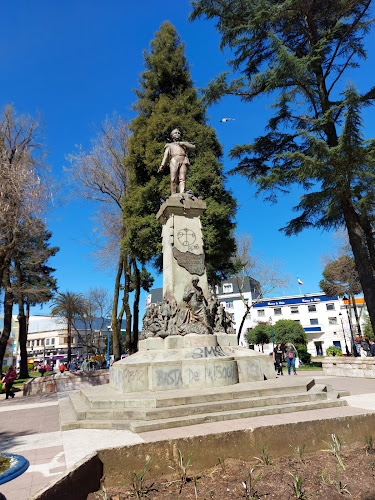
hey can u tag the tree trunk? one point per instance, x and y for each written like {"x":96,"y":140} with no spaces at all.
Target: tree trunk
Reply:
{"x":137,"y":294}
{"x":8,"y":308}
{"x":356,"y":315}
{"x":69,"y":341}
{"x":116,"y":326}
{"x":361,"y":257}
{"x":22,"y":324}
{"x":128,"y":313}
{"x":242,"y":323}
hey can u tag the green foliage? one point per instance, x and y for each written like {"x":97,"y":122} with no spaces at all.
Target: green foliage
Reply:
{"x":168,"y":100}
{"x":335,"y":447}
{"x":334,"y":350}
{"x":181,"y":468}
{"x":264,"y":458}
{"x":341,"y":277}
{"x":369,"y":446}
{"x":299,"y":450}
{"x":297,"y":486}
{"x":139,"y":486}
{"x":250,"y":484}
{"x":260,"y":334}
{"x":304,"y":355}
{"x":287,"y":330}
{"x":299,"y":53}
{"x":369,"y":332}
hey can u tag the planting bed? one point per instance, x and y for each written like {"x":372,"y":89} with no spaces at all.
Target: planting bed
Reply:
{"x":319,"y":475}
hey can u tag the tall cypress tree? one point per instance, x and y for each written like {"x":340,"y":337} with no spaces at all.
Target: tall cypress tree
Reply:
{"x":167,"y":99}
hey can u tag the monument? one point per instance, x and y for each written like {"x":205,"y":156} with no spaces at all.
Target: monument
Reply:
{"x":187,"y":340}
{"x":189,"y":368}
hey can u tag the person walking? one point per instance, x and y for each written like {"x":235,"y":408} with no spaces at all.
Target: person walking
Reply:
{"x":372,"y":348}
{"x":8,"y":380}
{"x":291,"y":354}
{"x":278,"y":359}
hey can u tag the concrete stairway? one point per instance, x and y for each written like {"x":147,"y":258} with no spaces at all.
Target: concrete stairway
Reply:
{"x":103,"y":407}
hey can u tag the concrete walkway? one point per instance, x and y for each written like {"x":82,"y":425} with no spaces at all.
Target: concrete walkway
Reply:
{"x":30,"y":426}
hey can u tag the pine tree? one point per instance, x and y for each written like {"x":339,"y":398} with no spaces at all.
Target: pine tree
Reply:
{"x":167,"y":100}
{"x":33,"y":282}
{"x":299,"y":52}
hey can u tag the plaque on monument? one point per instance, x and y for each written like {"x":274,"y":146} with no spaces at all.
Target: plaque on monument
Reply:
{"x":192,"y":262}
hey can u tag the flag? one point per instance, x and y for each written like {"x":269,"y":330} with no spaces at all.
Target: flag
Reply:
{"x":299,"y":281}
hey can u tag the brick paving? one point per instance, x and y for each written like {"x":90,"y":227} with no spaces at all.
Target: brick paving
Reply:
{"x":29,"y":426}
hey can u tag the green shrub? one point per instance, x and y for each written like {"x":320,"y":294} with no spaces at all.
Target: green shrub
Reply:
{"x":334,"y":350}
{"x":303,"y":355}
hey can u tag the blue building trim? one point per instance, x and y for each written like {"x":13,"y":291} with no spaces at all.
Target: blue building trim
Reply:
{"x":296,"y":301}
{"x":312,"y":329}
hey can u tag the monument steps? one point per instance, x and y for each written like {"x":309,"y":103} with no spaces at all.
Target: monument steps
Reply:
{"x":83,"y":411}
{"x":192,"y":419}
{"x":160,"y":410}
{"x":102,"y":397}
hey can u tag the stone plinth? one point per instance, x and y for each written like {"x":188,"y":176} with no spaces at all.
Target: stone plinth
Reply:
{"x":183,"y":249}
{"x":342,"y":366}
{"x":189,"y":362}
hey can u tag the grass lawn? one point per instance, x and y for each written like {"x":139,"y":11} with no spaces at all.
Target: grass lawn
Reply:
{"x":19,"y":382}
{"x":4,"y":464}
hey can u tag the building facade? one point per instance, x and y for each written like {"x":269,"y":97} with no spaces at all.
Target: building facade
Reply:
{"x":324,"y":319}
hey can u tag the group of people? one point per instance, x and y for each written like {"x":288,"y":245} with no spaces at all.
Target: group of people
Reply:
{"x":285,"y":351}
{"x":365,"y":347}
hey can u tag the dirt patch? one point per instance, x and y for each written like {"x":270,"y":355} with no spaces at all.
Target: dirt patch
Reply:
{"x":305,"y":476}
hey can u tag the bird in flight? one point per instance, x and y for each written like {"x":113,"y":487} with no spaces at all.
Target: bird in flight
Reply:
{"x":223,"y":120}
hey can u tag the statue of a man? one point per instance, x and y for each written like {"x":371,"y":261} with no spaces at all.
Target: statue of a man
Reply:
{"x":179,"y":163}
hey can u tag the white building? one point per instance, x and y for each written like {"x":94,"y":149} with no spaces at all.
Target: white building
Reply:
{"x":324,"y":319}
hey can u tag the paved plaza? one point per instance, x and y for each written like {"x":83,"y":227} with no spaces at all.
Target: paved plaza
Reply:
{"x":30,"y":426}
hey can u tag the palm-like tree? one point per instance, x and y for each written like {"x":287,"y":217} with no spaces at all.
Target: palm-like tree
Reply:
{"x":68,"y":305}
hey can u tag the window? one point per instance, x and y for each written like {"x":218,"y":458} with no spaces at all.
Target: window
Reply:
{"x":229,"y":305}
{"x":312,"y":308}
{"x":261,"y":312}
{"x":37,"y":342}
{"x":65,"y":340}
{"x":330,"y":306}
{"x":314,"y":321}
{"x":52,"y":341}
{"x":47,"y":341}
{"x":277,"y":311}
{"x":294,"y":309}
{"x":297,"y":321}
{"x":332,"y":321}
{"x":227,"y":288}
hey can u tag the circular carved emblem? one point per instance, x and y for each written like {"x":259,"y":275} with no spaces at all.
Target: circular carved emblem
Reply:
{"x":186,"y":237}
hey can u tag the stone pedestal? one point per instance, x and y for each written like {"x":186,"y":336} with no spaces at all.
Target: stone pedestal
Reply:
{"x":183,"y":249}
{"x":189,"y":362}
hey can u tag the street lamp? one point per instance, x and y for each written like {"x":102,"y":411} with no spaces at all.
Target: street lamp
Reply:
{"x":273,"y":345}
{"x":108,"y":358}
{"x":343,"y":332}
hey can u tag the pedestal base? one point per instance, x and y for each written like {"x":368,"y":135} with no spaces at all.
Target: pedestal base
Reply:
{"x":189,"y":362}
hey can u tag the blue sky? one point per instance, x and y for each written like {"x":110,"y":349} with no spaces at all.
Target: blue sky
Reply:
{"x":77,"y":61}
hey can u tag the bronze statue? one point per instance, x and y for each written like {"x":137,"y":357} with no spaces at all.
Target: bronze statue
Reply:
{"x":179,"y":163}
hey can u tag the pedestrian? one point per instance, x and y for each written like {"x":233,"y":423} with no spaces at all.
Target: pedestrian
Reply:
{"x":62,"y":368}
{"x":372,"y":348}
{"x":278,"y":359}
{"x":42,"y":369}
{"x":365,"y":348}
{"x":291,"y":354}
{"x":85,"y":366}
{"x":8,"y":380}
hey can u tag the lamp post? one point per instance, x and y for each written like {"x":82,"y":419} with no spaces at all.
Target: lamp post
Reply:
{"x":108,"y":358}
{"x":343,"y":332}
{"x":355,"y":352}
{"x":273,"y":345}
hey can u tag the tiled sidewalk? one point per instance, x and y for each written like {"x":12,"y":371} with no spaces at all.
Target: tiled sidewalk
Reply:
{"x":30,"y":426}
